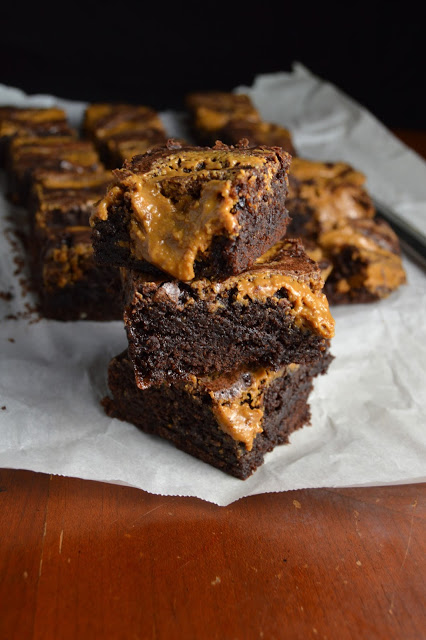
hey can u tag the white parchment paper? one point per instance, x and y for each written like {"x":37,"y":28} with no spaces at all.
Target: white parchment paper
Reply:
{"x":368,"y":412}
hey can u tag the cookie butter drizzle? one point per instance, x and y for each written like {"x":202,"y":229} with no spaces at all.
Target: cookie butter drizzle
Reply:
{"x":240,"y":411}
{"x":172,"y":235}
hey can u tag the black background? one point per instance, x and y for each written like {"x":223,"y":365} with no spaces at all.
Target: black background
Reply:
{"x":156,"y":53}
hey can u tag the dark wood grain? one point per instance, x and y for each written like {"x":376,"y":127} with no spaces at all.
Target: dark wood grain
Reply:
{"x":82,"y":559}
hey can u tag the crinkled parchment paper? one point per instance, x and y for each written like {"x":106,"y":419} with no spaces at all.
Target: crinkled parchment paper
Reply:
{"x":368,"y":412}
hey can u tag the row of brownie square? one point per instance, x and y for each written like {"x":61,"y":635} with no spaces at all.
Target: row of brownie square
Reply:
{"x":59,"y":177}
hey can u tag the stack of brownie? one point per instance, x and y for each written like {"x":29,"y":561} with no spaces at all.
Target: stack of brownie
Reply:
{"x":330,"y":209}
{"x":227,"y":324}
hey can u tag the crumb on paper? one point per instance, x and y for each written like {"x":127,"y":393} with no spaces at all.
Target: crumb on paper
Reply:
{"x":31,"y":313}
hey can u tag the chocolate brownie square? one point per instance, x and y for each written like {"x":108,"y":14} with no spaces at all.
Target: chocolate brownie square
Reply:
{"x":270,"y":315}
{"x":66,"y":198}
{"x":128,"y":145}
{"x":70,"y":285}
{"x":30,"y":156}
{"x":32,"y":122}
{"x":212,"y":111}
{"x":366,"y":260}
{"x":193,"y":211}
{"x":323,"y":195}
{"x":334,"y":214}
{"x":112,"y":125}
{"x":229,"y":422}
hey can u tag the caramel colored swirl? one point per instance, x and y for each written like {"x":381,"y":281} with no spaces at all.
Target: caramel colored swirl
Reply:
{"x":240,"y":412}
{"x":334,"y":193}
{"x":170,"y":236}
{"x":307,"y":306}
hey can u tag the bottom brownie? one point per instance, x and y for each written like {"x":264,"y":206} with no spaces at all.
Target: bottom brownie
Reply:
{"x":229,"y":421}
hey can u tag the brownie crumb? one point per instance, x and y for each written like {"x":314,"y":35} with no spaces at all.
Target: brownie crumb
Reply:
{"x":3,"y":408}
{"x":6,"y":295}
{"x":11,"y":339}
{"x":31,"y":313}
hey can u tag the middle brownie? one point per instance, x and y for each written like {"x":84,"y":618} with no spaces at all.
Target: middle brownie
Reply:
{"x":194,"y":211}
{"x":271,"y":315}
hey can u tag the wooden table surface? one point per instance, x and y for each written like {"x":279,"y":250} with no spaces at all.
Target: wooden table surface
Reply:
{"x":81,"y":559}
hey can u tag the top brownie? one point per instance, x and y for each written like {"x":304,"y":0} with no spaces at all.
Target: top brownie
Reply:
{"x":193,"y":211}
